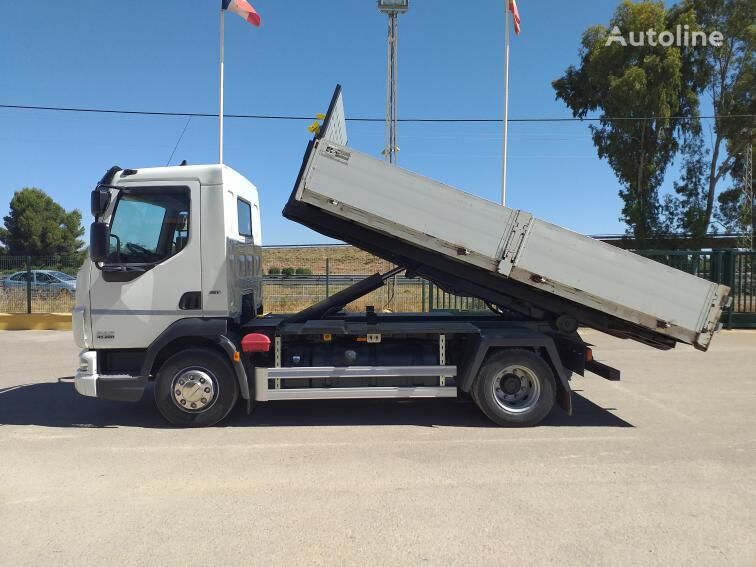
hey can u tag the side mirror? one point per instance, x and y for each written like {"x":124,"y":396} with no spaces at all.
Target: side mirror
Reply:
{"x":99,"y":241}
{"x":99,"y":201}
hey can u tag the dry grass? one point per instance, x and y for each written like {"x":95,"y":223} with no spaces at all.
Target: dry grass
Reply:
{"x":290,"y":296}
{"x":408,"y":296}
{"x":14,"y":301}
{"x":343,"y":260}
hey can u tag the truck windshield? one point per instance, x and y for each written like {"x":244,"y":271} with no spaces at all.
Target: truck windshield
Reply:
{"x":149,"y":226}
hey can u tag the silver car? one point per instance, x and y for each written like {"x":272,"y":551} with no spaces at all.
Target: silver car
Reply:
{"x":42,"y":280}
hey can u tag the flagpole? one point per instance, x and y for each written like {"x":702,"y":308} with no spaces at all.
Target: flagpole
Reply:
{"x":506,"y":106}
{"x":220,"y":111}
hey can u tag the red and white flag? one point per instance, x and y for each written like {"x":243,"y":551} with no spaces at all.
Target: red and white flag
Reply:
{"x":512,"y":7}
{"x":242,"y":8}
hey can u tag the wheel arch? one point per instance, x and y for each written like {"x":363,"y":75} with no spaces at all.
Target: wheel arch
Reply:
{"x":182,"y":332}
{"x":212,"y":334}
{"x":179,"y":344}
{"x":542,"y":345}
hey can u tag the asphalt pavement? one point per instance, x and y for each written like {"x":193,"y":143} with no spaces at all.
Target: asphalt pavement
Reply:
{"x":659,"y":469}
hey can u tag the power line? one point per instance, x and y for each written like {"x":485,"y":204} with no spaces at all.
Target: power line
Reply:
{"x":181,"y":137}
{"x":359,"y":119}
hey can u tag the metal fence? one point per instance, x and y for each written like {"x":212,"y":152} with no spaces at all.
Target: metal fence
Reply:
{"x":298,"y":277}
{"x":294,"y":279}
{"x":34,"y":284}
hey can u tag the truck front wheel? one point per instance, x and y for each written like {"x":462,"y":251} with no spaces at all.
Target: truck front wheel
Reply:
{"x":515,"y":387}
{"x":195,"y":388}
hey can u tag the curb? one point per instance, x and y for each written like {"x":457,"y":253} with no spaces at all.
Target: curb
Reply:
{"x":35,"y":321}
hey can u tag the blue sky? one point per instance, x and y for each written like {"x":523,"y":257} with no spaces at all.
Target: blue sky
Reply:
{"x":163,"y":56}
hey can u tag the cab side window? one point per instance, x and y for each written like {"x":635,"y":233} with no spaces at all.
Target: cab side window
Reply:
{"x":244,"y":214}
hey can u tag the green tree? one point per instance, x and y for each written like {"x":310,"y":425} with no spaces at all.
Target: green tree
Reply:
{"x":636,"y":89}
{"x":38,"y":226}
{"x":688,"y":211}
{"x":732,"y":214}
{"x":726,"y":74}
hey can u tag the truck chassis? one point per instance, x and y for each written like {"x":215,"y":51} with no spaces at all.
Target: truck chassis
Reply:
{"x":513,"y":368}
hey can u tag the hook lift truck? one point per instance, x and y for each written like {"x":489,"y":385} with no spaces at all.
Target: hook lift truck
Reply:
{"x":172,"y":294}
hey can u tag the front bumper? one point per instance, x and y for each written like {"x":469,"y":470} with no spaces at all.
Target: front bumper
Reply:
{"x":86,"y":376}
{"x":121,"y":388}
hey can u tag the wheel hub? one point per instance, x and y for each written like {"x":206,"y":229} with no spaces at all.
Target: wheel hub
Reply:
{"x":511,"y":384}
{"x":193,"y":390}
{"x":516,"y":389}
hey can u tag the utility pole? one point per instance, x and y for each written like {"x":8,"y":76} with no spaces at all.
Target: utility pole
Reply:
{"x":220,"y":98}
{"x":392,"y":8}
{"x":510,"y":7}
{"x":506,"y":109}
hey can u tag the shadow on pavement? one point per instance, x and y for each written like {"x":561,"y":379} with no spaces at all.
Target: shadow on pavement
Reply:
{"x":56,"y":404}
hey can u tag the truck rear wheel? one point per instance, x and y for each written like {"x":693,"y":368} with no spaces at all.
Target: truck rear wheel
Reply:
{"x":195,"y":388}
{"x":516,"y":388}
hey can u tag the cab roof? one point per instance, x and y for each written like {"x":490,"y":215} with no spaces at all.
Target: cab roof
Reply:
{"x":214,"y":174}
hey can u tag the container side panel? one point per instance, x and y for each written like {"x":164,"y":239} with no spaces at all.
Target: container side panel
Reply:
{"x":573,"y":265}
{"x":386,"y":200}
{"x":407,"y":205}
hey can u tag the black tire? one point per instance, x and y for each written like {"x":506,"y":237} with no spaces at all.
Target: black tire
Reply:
{"x":225,"y":388}
{"x":537,"y":388}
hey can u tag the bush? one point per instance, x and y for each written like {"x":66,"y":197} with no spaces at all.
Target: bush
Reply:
{"x":304,"y":272}
{"x":274,"y":271}
{"x":288,"y":271}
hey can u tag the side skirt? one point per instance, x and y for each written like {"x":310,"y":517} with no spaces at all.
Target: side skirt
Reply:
{"x":264,"y":393}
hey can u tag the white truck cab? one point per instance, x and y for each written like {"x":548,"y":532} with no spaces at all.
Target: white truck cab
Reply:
{"x":179,"y":243}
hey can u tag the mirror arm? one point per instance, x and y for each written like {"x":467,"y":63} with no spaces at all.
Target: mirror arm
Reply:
{"x":118,"y":246}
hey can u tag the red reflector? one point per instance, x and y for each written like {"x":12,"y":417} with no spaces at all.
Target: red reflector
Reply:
{"x":256,"y":342}
{"x":588,"y":355}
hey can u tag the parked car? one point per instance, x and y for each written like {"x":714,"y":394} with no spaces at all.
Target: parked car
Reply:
{"x":42,"y":280}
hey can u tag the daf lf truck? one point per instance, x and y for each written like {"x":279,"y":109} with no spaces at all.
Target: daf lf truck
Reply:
{"x":172,"y":294}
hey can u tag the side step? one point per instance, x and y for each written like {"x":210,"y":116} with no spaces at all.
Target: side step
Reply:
{"x":263,"y":393}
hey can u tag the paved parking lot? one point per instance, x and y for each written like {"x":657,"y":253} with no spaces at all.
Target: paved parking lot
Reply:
{"x":657,"y":469}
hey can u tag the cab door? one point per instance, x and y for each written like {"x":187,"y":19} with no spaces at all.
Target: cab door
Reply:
{"x":152,"y":276}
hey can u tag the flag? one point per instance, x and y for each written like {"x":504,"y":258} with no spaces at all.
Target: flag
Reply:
{"x":242,"y":8}
{"x":512,"y":7}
